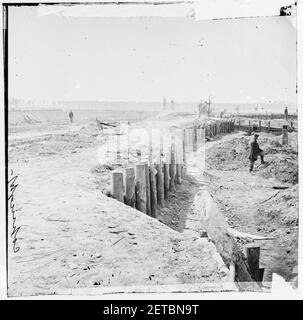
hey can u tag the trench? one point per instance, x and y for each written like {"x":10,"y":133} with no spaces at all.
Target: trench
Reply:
{"x":178,"y":211}
{"x":245,"y":203}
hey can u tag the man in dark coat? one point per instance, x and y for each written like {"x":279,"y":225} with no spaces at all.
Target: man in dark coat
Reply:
{"x":71,"y":116}
{"x":255,"y":151}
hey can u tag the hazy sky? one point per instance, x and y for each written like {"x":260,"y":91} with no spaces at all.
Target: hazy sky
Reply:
{"x":145,"y":59}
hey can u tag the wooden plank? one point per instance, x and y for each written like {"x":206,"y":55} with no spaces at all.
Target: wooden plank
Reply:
{"x":160,"y":178}
{"x":160,"y":185}
{"x":184,"y":153}
{"x":178,"y":161}
{"x":117,"y":185}
{"x":148,"y":196}
{"x":172,"y":174}
{"x":195,"y":138}
{"x":140,"y":187}
{"x":166,"y":180}
{"x":153,"y":190}
{"x":152,"y":178}
{"x":130,"y":186}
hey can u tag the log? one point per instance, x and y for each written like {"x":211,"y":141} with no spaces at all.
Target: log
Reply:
{"x":195,"y":139}
{"x":160,"y":185}
{"x":117,"y":185}
{"x":130,"y":186}
{"x":140,"y":187}
{"x":160,"y":178}
{"x":153,"y":191}
{"x":184,"y":153}
{"x":148,"y":196}
{"x":152,"y":178}
{"x":178,"y":167}
{"x":172,"y":173}
{"x":166,"y":180}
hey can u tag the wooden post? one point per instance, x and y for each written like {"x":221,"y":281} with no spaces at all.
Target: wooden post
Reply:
{"x":130,"y":185}
{"x":178,"y":163}
{"x":160,"y":185}
{"x":160,"y":179}
{"x":268,"y":127}
{"x":140,"y":187}
{"x":117,"y":185}
{"x":184,"y":153}
{"x":260,"y":125}
{"x":172,"y":186}
{"x":148,"y":196}
{"x":194,"y":139}
{"x":284,"y":135}
{"x":253,"y":257}
{"x":152,"y":177}
{"x":166,"y":180}
{"x":260,"y":274}
{"x":239,"y":123}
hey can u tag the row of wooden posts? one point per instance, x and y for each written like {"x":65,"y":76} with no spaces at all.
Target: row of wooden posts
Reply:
{"x":265,"y":127}
{"x":147,"y":185}
{"x":266,"y":116}
{"x":259,"y":128}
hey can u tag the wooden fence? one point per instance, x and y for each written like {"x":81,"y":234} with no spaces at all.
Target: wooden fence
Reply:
{"x":262,"y":126}
{"x":266,"y":116}
{"x":146,"y":185}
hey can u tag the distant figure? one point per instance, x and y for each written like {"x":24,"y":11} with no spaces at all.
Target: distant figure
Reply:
{"x":286,"y":113}
{"x":255,"y":151}
{"x":71,"y":116}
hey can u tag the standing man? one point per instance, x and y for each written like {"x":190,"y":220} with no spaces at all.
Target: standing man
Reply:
{"x":71,"y":116}
{"x":255,"y":151}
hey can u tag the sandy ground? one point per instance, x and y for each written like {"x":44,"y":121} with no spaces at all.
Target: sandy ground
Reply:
{"x":251,"y":204}
{"x":72,"y":237}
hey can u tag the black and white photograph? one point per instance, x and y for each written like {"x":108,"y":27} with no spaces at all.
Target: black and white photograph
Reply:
{"x":150,"y":148}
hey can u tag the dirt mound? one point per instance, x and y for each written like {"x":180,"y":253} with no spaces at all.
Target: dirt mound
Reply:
{"x":282,"y":161}
{"x":283,"y":207}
